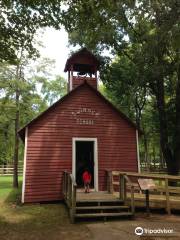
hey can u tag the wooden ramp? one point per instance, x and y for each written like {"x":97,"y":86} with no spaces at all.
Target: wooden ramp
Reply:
{"x":156,"y":201}
{"x":164,"y":195}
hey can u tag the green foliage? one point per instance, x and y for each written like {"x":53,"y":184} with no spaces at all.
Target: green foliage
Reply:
{"x":37,"y":90}
{"x":19,"y":22}
{"x":144,"y":37}
{"x":125,"y":86}
{"x":52,"y":90}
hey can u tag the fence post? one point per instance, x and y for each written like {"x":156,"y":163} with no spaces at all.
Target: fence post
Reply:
{"x":65,"y":186}
{"x":73,"y":207}
{"x":69,"y":191}
{"x":132,"y":200}
{"x":168,"y":208}
{"x":121,"y":187}
{"x":110,"y":177}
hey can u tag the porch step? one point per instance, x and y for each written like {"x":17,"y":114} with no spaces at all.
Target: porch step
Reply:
{"x":102,"y":207}
{"x":100,"y":201}
{"x":97,"y":208}
{"x":94,"y":215}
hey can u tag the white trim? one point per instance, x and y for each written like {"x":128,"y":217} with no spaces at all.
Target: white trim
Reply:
{"x":137,"y":145}
{"x":24,"y":167}
{"x":95,"y":158}
{"x":71,"y":81}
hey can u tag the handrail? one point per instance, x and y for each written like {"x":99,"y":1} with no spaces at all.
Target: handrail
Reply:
{"x":123,"y":180}
{"x":160,"y":176}
{"x":69,"y":192}
{"x":73,"y":180}
{"x":132,"y":193}
{"x":163,"y":188}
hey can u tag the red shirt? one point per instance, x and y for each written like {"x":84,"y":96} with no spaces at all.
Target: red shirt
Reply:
{"x":86,"y":177}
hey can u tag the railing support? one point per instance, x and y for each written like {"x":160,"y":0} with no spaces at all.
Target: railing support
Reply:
{"x":69,"y":191}
{"x":109,"y":181}
{"x":122,"y":187}
{"x":132,"y":200}
{"x":168,"y":208}
{"x":73,"y":207}
{"x":164,"y":189}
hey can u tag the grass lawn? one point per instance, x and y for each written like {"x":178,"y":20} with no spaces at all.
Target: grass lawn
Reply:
{"x":34,"y":221}
{"x":6,"y":192}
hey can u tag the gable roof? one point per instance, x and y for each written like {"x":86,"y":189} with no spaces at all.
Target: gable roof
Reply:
{"x":21,"y":131}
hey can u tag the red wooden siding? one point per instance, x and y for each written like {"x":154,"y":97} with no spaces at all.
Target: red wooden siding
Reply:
{"x":49,"y":147}
{"x":79,"y":80}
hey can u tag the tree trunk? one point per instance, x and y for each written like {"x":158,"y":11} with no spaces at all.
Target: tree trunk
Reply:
{"x":146,"y":157}
{"x":154,"y":158}
{"x":167,"y":153}
{"x":16,"y":143}
{"x":161,"y":159}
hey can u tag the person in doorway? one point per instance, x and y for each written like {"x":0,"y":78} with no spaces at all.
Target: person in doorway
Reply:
{"x":87,"y":180}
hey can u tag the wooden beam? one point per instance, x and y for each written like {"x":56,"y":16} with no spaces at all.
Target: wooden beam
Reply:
{"x":168,"y":208}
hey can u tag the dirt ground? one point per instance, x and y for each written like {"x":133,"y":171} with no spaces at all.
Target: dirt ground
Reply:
{"x":51,"y":222}
{"x":125,"y":229}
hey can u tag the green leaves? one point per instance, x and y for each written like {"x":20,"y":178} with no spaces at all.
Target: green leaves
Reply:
{"x":53,"y":90}
{"x":37,"y":89}
{"x":19,"y":21}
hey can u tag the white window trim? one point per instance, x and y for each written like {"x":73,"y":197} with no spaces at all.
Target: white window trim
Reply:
{"x":138,"y":157}
{"x":95,"y":158}
{"x":24,"y":167}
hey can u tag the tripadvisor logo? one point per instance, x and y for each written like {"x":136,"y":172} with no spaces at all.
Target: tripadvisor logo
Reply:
{"x":140,"y":231}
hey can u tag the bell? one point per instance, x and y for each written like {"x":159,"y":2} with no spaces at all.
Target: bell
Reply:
{"x":81,"y":73}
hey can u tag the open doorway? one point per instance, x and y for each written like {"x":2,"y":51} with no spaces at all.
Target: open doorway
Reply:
{"x":84,"y":160}
{"x":85,"y":156}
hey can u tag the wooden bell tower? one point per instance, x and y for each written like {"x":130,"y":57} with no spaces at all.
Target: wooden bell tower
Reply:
{"x":82,"y":66}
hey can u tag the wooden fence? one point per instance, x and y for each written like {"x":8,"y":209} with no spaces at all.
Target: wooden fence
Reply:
{"x":8,"y":170}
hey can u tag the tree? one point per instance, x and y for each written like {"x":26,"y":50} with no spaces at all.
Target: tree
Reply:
{"x":125,"y":86}
{"x":148,"y":30}
{"x":53,"y":87}
{"x":53,"y":90}
{"x":25,"y":91}
{"x":15,"y":91}
{"x":19,"y":22}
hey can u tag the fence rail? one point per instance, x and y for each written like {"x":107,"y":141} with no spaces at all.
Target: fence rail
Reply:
{"x":8,"y":170}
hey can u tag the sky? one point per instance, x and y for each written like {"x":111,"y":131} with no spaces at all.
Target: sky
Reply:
{"x":55,"y":44}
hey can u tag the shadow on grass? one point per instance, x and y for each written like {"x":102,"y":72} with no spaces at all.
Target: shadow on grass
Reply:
{"x":33,"y":221}
{"x":38,"y":222}
{"x":14,"y":196}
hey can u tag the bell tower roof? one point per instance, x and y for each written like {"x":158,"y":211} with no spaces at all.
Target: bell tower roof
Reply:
{"x":82,"y":61}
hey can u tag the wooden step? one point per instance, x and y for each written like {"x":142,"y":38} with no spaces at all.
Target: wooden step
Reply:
{"x":94,"y":215}
{"x":101,"y":207}
{"x":100,"y":201}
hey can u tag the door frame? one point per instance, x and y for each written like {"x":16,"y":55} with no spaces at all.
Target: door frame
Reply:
{"x":74,"y":140}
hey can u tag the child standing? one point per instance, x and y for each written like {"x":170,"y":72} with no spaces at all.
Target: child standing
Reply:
{"x":87,"y":180}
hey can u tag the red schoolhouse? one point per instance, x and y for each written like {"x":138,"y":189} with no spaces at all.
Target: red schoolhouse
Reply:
{"x":81,"y":130}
